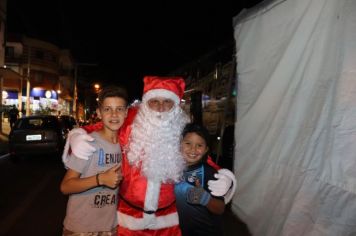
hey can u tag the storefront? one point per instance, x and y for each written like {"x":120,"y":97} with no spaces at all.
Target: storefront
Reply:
{"x":41,"y":100}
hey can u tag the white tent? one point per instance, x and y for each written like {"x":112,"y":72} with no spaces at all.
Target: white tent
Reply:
{"x":295,"y":158}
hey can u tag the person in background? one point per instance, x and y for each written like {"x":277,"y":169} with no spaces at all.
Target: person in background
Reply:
{"x":93,"y":183}
{"x":152,"y":161}
{"x":198,"y":210}
{"x":13,"y":115}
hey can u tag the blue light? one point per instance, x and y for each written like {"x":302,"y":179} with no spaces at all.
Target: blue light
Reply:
{"x":37,"y":92}
{"x":41,"y":93}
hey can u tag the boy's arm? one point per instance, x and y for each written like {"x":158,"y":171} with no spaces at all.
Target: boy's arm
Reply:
{"x":216,"y":206}
{"x":72,"y":183}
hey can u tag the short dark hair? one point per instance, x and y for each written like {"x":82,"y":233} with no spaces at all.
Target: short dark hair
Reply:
{"x":199,"y":130}
{"x":112,"y":91}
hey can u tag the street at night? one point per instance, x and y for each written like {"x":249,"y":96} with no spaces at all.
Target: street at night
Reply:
{"x":58,"y":57}
{"x":30,"y":200}
{"x":32,"y":204}
{"x":178,"y":118}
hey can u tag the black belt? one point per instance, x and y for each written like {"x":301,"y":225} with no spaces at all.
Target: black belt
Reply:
{"x":143,"y":210}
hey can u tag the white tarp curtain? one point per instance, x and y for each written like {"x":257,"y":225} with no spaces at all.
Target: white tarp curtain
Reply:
{"x":295,"y":158}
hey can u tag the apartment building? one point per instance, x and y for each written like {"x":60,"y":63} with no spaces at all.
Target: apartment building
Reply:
{"x":46,"y":71}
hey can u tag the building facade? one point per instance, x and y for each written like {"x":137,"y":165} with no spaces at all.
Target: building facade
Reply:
{"x":47,"y":79}
{"x":210,"y":98}
{"x":211,"y":88}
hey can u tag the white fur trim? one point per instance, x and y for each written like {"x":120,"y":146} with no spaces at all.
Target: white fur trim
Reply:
{"x":152,"y":196}
{"x":149,"y":221}
{"x":163,"y":93}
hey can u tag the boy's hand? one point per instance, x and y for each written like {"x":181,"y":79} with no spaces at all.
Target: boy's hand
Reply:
{"x":198,"y":195}
{"x":111,"y":177}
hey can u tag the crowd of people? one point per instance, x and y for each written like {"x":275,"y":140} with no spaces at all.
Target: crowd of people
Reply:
{"x":146,"y":161}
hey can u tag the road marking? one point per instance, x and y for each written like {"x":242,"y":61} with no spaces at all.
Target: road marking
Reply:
{"x":16,"y":214}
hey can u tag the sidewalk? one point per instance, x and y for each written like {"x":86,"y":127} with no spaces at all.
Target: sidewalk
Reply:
{"x":5,"y":130}
{"x":4,"y":146}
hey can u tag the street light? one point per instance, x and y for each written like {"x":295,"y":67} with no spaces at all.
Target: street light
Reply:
{"x":97,"y":88}
{"x":59,"y":91}
{"x":91,"y":92}
{"x":75,"y":90}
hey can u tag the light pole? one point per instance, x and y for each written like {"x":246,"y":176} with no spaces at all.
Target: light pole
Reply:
{"x":96,"y":87}
{"x":28,"y":84}
{"x":75,"y":90}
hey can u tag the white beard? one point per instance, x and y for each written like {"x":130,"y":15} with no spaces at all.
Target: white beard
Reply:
{"x":155,"y":143}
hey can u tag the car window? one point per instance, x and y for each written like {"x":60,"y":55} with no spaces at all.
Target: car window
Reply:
{"x":50,"y":123}
{"x":37,"y":123}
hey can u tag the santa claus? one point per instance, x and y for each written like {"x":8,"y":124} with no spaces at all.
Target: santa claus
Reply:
{"x":152,"y":162}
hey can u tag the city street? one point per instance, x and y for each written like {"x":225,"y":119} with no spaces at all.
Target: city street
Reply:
{"x":30,"y":200}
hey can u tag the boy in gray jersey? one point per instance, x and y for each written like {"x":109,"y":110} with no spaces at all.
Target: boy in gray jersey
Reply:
{"x":93,"y":183}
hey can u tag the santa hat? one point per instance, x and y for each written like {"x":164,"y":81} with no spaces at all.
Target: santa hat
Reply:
{"x":165,"y":87}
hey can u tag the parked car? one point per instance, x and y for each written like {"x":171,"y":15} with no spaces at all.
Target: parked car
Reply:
{"x":68,"y":121}
{"x":43,"y":134}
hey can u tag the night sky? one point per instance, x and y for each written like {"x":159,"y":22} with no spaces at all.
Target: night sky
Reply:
{"x":132,"y":39}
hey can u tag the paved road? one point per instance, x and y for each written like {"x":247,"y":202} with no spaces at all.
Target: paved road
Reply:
{"x":30,"y":200}
{"x":4,"y":148}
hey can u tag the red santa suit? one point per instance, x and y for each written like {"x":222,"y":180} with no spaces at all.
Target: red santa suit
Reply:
{"x":131,"y":209}
{"x":145,"y":207}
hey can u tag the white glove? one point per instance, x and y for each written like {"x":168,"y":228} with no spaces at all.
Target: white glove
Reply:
{"x":221,"y":186}
{"x":78,"y":140}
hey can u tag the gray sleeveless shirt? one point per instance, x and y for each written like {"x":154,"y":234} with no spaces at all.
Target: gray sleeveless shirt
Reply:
{"x":95,"y":209}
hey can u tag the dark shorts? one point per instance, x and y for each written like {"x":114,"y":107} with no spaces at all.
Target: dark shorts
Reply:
{"x":113,"y":232}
